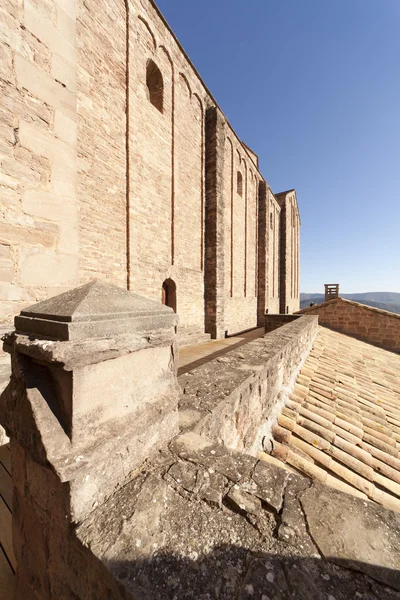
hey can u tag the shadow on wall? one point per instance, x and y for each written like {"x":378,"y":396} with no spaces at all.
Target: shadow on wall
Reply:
{"x":237,"y":573}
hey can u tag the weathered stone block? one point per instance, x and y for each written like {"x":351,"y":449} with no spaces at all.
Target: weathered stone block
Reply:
{"x":9,"y":291}
{"x":47,"y":268}
{"x":65,"y":128}
{"x":47,"y":33}
{"x":63,"y":71}
{"x":95,"y":412}
{"x":44,"y":87}
{"x":45,"y":144}
{"x":66,"y":24}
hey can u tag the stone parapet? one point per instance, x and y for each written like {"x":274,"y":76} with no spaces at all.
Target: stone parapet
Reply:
{"x":272,"y":322}
{"x":234,"y":398}
{"x":177,"y":529}
{"x":93,"y":519}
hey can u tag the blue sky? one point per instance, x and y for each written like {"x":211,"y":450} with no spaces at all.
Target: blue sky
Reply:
{"x":313,"y":86}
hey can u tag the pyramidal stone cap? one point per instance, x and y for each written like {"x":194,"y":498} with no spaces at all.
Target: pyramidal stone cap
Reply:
{"x":94,"y":310}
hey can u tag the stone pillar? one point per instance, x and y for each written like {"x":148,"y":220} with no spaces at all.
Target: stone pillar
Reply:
{"x":214,"y":268}
{"x":263,"y":232}
{"x":283,"y":260}
{"x":93,"y":394}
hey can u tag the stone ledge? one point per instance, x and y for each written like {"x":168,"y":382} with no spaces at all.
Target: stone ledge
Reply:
{"x":231,"y":397}
{"x":79,"y":354}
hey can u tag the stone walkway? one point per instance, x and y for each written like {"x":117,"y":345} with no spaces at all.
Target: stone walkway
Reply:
{"x":191,"y":357}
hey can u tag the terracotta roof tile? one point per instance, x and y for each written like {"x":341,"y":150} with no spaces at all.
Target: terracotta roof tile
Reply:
{"x":341,"y":424}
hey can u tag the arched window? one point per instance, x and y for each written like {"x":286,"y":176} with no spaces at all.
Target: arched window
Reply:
{"x":271,"y":223}
{"x":239,"y":183}
{"x":168,"y":294}
{"x":155,"y":85}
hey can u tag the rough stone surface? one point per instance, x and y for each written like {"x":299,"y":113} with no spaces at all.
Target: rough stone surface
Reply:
{"x":293,"y":526}
{"x":197,"y":521}
{"x":234,"y":395}
{"x":353,"y":532}
{"x":173,"y":545}
{"x":366,"y":323}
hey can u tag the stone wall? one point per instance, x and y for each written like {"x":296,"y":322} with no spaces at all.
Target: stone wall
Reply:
{"x":234,"y":398}
{"x":104,"y":169}
{"x":38,"y":152}
{"x":241,"y":210}
{"x":109,"y":501}
{"x":167,"y":153}
{"x":366,"y":323}
{"x":101,"y":136}
{"x":272,"y":322}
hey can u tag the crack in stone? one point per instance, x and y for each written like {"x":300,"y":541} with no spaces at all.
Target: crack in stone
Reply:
{"x":303,"y":511}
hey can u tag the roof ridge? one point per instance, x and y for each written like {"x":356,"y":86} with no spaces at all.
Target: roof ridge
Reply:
{"x":346,"y":300}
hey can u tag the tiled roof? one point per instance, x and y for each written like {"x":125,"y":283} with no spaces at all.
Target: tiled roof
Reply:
{"x":341,"y":424}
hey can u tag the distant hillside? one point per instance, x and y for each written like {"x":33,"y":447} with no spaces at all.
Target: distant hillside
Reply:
{"x":385,"y":300}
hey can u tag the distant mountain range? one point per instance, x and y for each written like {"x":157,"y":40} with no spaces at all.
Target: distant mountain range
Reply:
{"x":385,"y":300}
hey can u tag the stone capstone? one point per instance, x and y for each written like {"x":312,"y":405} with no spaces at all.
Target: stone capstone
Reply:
{"x":94,"y":310}
{"x":82,"y":405}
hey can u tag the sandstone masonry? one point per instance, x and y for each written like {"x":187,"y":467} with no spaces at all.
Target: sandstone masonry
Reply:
{"x":366,"y":323}
{"x":117,"y":164}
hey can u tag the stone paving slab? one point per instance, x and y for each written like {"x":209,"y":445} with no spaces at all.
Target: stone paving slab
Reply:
{"x":163,"y":537}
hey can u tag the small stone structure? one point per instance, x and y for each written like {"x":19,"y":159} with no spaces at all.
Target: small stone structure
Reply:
{"x":109,"y":502}
{"x":366,"y":323}
{"x":80,"y":412}
{"x":331,"y":291}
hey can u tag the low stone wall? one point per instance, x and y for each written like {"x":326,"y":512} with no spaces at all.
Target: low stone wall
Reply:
{"x":366,"y":323}
{"x":272,"y":322}
{"x":233,"y":398}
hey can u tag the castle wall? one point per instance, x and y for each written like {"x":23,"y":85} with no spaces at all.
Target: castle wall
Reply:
{"x":252,"y":155}
{"x":106,"y":171}
{"x":167,"y":171}
{"x":101,"y":128}
{"x":38,"y":152}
